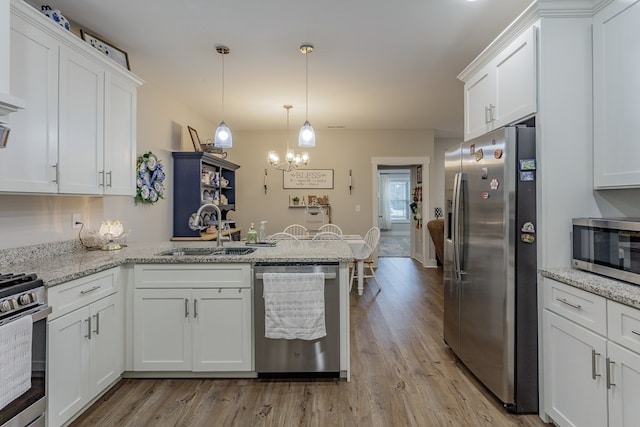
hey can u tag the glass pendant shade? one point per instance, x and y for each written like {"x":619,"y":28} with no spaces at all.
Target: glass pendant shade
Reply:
{"x":223,"y":138}
{"x":307,"y":136}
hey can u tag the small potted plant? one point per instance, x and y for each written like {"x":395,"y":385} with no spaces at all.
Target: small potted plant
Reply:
{"x":295,"y":200}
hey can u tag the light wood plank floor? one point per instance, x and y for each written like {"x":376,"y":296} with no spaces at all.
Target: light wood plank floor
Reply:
{"x":403,"y":374}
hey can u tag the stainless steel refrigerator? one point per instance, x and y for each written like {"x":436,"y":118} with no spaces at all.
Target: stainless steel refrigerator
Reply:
{"x":490,"y":298}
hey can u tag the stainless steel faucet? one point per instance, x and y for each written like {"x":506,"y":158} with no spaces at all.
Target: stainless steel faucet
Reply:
{"x":218,"y":218}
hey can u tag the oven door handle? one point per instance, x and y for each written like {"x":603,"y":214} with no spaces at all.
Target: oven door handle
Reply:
{"x":41,"y":314}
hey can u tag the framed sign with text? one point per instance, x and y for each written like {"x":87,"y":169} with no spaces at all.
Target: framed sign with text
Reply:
{"x":308,"y":178}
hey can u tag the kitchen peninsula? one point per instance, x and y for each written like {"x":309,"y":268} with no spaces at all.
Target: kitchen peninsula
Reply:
{"x":100,"y":323}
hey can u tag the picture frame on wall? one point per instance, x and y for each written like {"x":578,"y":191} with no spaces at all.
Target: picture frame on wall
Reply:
{"x":195,"y":139}
{"x":307,"y":178}
{"x":117,"y":55}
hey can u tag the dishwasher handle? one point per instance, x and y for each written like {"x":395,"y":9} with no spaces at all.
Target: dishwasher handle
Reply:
{"x":327,"y":276}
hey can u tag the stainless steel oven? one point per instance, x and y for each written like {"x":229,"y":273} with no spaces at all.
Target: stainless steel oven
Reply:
{"x":24,"y":295}
{"x":608,"y":246}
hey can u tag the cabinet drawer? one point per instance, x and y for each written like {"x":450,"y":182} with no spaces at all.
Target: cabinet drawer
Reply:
{"x":193,"y":276}
{"x":584,"y":308}
{"x":624,"y":325}
{"x":80,"y":292}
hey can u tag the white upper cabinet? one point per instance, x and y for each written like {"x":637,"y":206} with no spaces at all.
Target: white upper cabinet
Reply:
{"x":119,"y":136}
{"x":81,"y":124}
{"x":77,"y":134}
{"x":504,"y":90}
{"x":30,"y":159}
{"x":616,"y":86}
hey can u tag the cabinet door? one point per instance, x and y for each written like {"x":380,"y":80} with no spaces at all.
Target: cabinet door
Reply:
{"x":616,"y":86}
{"x":624,"y":371}
{"x":120,"y":136}
{"x":81,"y":121}
{"x":515,"y":74}
{"x":162,"y":330}
{"x":107,"y":344}
{"x":479,"y":100}
{"x":29,"y":161}
{"x":68,"y":368}
{"x":574,"y":373}
{"x":222,"y":330}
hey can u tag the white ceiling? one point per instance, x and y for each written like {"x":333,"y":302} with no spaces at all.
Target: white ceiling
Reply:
{"x":377,"y":64}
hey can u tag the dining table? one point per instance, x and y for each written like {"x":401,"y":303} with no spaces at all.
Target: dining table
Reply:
{"x":358,"y":247}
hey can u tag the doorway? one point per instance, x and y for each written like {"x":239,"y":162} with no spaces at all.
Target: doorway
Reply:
{"x":394,"y":214}
{"x":418,"y":168}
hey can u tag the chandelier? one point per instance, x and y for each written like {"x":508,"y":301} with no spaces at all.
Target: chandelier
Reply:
{"x":291,"y":159}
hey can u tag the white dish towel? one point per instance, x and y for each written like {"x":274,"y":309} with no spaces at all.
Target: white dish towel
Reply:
{"x":294,"y":306}
{"x":15,"y":359}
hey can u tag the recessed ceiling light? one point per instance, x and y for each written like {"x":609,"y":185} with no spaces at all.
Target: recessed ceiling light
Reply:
{"x":336,"y":127}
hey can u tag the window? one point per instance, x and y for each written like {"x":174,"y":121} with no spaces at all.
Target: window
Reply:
{"x":399,"y":197}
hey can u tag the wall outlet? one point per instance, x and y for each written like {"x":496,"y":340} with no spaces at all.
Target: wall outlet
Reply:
{"x":75,"y":220}
{"x":357,"y":208}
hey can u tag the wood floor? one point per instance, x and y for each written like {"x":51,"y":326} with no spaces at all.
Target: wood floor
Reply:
{"x":403,"y":374}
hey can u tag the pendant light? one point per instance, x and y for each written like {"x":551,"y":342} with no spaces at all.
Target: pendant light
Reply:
{"x":307,"y":136}
{"x":223,"y":138}
{"x":291,"y":160}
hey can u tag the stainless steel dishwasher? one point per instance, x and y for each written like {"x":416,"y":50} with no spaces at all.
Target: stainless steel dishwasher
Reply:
{"x":288,"y":358}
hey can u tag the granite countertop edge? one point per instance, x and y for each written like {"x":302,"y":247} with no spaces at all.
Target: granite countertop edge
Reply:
{"x":615,"y":290}
{"x":57,"y":269}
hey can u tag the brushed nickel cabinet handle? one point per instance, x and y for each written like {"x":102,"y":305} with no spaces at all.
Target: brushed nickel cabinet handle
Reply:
{"x":195,"y":308}
{"x":97,"y":330}
{"x":86,"y":291}
{"x":594,"y":373}
{"x":57,"y":175}
{"x":186,"y":307}
{"x":88,"y":320}
{"x":109,"y":182}
{"x":564,"y":301}
{"x":635,"y":332}
{"x":609,"y":363}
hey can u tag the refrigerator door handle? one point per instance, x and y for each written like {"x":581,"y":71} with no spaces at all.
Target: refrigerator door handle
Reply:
{"x":456,"y":230}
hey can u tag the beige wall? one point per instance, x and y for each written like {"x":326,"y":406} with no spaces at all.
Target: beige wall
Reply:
{"x":340,"y":150}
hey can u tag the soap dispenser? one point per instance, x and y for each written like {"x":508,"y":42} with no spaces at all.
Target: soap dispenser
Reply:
{"x":262,"y":235}
{"x":252,"y":235}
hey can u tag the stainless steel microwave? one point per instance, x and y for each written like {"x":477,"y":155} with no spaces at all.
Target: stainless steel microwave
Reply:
{"x":608,"y":246}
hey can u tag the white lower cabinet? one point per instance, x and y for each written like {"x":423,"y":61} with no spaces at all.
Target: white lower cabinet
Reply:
{"x":192,"y":318}
{"x":86,"y":345}
{"x":575,"y":387}
{"x":591,"y":363}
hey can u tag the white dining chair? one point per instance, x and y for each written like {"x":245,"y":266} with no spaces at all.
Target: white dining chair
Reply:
{"x":296,"y":230}
{"x":282,"y":236}
{"x":372,"y":238}
{"x":331,"y":227}
{"x":327,"y":235}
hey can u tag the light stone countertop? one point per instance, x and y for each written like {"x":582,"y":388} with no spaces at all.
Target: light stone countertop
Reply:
{"x":56,"y":269}
{"x":615,"y":290}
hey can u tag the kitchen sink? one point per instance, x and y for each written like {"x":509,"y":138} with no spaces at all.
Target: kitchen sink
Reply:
{"x":188,"y":252}
{"x":238,"y":250}
{"x":207,"y":251}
